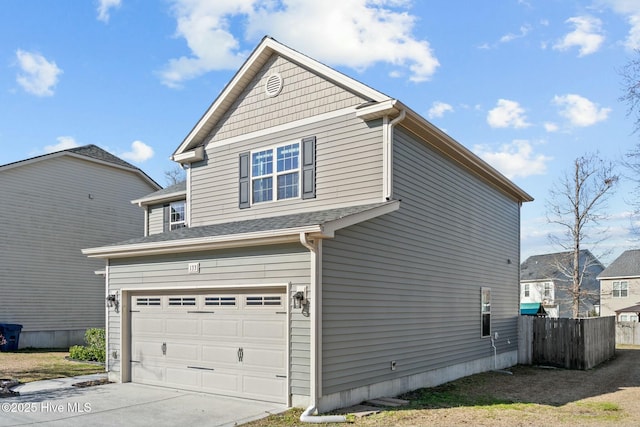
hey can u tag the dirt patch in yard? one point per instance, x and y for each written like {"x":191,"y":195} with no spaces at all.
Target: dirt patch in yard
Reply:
{"x":608,"y":395}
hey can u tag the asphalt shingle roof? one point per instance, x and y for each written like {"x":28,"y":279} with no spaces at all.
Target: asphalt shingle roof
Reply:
{"x":626,"y":265}
{"x":545,"y":267}
{"x":253,"y":225}
{"x":175,"y":188}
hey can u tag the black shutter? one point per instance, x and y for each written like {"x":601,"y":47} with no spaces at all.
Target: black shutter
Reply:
{"x":309,"y":168}
{"x":245,"y":182}
{"x":166,"y":218}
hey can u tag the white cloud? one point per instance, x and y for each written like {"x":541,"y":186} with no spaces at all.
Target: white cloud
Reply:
{"x":631,"y":10}
{"x":551,"y":127}
{"x":104,"y":8}
{"x":507,"y":114}
{"x":38,"y":76}
{"x":363,"y":33}
{"x":64,"y":143}
{"x":587,"y":35}
{"x":579,"y":110}
{"x":438,"y":109}
{"x":514,"y":160}
{"x":524,"y":30}
{"x":139,"y":153}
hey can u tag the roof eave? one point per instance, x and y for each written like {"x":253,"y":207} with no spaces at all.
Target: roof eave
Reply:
{"x":178,"y":195}
{"x":269,"y":237}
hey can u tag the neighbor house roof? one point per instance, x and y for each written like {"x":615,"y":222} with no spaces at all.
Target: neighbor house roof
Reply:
{"x":546,"y":267}
{"x":377,"y":105}
{"x":632,"y":309}
{"x":271,"y":230}
{"x":625,"y":266}
{"x":87,"y":152}
{"x":176,"y":191}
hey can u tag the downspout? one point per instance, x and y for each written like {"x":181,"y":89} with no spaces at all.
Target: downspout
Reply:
{"x":307,"y":416}
{"x":387,"y":154}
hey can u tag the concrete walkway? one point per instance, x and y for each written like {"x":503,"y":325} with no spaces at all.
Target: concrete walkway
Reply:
{"x":58,"y":403}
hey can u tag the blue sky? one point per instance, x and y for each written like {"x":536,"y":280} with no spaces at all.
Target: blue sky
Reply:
{"x":528,"y":85}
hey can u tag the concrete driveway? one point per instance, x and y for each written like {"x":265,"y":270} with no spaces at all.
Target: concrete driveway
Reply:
{"x":128,"y":404}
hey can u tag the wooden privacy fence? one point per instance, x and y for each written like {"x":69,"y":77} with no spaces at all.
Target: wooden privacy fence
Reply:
{"x":566,"y":343}
{"x":628,"y":333}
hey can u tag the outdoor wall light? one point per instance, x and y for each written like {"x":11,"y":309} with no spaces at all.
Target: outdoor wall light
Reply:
{"x":113,"y":301}
{"x":300,"y":297}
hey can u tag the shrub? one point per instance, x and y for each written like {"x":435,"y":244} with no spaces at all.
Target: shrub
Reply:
{"x":95,"y":350}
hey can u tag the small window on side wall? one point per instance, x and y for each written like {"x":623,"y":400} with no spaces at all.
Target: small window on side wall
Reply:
{"x":174,"y":216}
{"x":485,"y":312}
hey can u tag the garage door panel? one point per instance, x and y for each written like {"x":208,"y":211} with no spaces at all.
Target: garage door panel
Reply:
{"x":182,"y":352}
{"x":263,"y":329}
{"x":220,"y":354}
{"x":183,"y":327}
{"x":148,"y":325}
{"x":259,"y":385}
{"x":226,"y":343}
{"x":264,"y":359}
{"x":182,"y":377}
{"x":218,"y":328}
{"x":220,"y":382}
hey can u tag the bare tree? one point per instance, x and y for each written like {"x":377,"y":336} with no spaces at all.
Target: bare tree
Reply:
{"x":174,"y":175}
{"x":577,"y":202}
{"x":631,"y":87}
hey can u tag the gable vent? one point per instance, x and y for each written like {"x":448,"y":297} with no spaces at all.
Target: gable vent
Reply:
{"x":273,"y":86}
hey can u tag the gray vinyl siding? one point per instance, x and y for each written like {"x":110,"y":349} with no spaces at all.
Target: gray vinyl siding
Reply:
{"x":406,"y":286}
{"x":52,"y":209}
{"x":255,"y":266}
{"x":348,"y":172}
{"x":156,"y":219}
{"x":304,"y":94}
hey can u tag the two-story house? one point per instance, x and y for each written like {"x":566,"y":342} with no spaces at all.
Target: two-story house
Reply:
{"x":620,"y":287}
{"x":336,"y":247}
{"x":546,"y":279}
{"x":55,"y":205}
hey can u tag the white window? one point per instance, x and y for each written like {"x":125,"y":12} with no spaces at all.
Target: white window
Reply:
{"x":275,"y":173}
{"x":485,"y":311}
{"x":176,"y":218}
{"x":526,"y":290}
{"x":620,"y":289}
{"x":547,"y":290}
{"x":628,"y":317}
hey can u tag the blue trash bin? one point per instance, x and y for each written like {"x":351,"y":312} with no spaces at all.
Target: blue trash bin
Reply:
{"x":11,"y":334}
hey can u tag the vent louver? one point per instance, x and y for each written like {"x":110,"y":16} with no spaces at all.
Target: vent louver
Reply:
{"x":273,"y":86}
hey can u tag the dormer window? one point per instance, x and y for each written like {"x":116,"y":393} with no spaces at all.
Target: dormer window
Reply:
{"x":176,"y":218}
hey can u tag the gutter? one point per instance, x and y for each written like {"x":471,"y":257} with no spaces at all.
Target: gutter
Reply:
{"x":387,"y":152}
{"x":315,"y":336}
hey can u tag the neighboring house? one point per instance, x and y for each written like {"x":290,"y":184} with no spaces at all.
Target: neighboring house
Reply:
{"x":546,"y":279}
{"x":165,"y":209}
{"x":338,"y":247}
{"x":620,"y":287}
{"x":55,"y":205}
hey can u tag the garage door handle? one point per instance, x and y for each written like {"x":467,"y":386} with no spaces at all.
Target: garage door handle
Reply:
{"x":164,"y":348}
{"x":240,"y":354}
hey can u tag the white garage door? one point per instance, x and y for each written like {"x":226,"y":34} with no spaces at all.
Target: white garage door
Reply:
{"x":231,"y":343}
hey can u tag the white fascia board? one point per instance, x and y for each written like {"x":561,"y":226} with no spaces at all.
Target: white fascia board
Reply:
{"x":617,"y":277}
{"x":378,"y":110}
{"x":329,"y":228}
{"x":178,"y":195}
{"x":268,"y":237}
{"x":191,"y":156}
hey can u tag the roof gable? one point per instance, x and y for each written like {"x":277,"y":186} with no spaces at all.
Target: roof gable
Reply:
{"x":549,"y":267}
{"x":246,"y":75}
{"x":87,"y":152}
{"x":626,"y":265}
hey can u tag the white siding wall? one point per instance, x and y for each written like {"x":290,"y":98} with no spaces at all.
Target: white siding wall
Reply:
{"x":51,"y":210}
{"x":156,"y":219}
{"x":348,"y":172}
{"x":405,"y":287}
{"x":609,"y":304}
{"x":263,"y":265}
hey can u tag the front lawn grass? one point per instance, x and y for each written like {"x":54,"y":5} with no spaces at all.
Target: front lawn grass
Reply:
{"x":42,"y":364}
